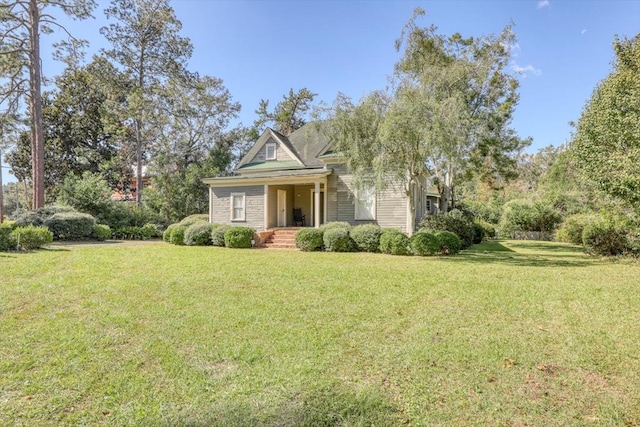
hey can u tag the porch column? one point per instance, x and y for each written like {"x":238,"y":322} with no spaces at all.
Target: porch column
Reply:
{"x":316,"y":204}
{"x":266,"y":207}
{"x":210,"y":204}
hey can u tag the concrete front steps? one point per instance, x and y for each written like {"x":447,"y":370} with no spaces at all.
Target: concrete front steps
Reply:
{"x":282,"y":238}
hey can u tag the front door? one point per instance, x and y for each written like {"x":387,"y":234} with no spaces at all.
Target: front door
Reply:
{"x":282,"y":208}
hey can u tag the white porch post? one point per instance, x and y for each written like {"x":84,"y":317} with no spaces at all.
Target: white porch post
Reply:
{"x":266,"y":206}
{"x":326,"y":203}
{"x":316,"y":205}
{"x":211,"y":204}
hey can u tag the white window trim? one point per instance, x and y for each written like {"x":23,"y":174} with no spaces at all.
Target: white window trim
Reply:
{"x":275,"y":151}
{"x":363,"y":214}
{"x":232,"y":196}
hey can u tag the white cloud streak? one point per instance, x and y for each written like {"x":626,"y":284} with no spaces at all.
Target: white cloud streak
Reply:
{"x":543,"y":3}
{"x":525,"y":70}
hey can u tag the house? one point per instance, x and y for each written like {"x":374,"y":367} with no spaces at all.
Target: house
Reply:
{"x":280,"y":174}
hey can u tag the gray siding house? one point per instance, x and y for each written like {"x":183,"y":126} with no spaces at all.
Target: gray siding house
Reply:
{"x":280,"y":174}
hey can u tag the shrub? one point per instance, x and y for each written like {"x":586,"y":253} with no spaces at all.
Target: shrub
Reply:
{"x":522,"y":215}
{"x":166,"y":236}
{"x":310,"y":239}
{"x":489,"y":229}
{"x":32,"y":237}
{"x":71,"y":225}
{"x":150,"y":231}
{"x":177,"y":235}
{"x":132,"y":232}
{"x":7,"y":241}
{"x":198,"y":234}
{"x":101,"y":232}
{"x":366,"y":237}
{"x":38,"y":217}
{"x":238,"y":237}
{"x":192,"y":219}
{"x":455,"y":221}
{"x":336,"y":224}
{"x":337,"y":239}
{"x":450,"y":243}
{"x":424,"y":244}
{"x":394,"y":242}
{"x":571,"y":229}
{"x":116,"y":215}
{"x":217,"y":234}
{"x":604,"y":237}
{"x":89,"y":193}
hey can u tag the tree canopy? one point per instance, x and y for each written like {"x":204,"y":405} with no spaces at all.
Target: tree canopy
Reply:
{"x":445,"y":118}
{"x":606,"y":143}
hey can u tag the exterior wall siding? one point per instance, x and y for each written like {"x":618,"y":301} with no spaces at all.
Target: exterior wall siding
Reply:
{"x":281,"y":154}
{"x":391,"y":204}
{"x":254,"y":205}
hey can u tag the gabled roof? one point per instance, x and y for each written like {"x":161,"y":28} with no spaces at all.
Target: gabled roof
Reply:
{"x":304,"y":146}
{"x":280,"y":139}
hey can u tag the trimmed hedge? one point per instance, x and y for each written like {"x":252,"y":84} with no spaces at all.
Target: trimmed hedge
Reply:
{"x":394,"y":242}
{"x":71,"y":225}
{"x":198,"y":234}
{"x":146,"y":232}
{"x":366,"y":237}
{"x":7,"y":242}
{"x":450,"y":243}
{"x":166,"y":236}
{"x":32,"y":237}
{"x":177,"y":235}
{"x":192,"y":219}
{"x":38,"y":217}
{"x":337,"y":239}
{"x":238,"y":237}
{"x":342,"y":225}
{"x":217,"y":234}
{"x":571,"y":229}
{"x":454,"y":221}
{"x":310,"y":239}
{"x":424,"y":244}
{"x":101,"y":232}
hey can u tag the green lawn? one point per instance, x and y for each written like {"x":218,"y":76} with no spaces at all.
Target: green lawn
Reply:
{"x":508,"y":333}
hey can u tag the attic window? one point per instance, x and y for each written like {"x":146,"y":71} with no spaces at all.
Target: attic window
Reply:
{"x":271,"y":151}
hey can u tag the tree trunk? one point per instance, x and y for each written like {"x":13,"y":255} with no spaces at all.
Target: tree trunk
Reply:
{"x":37,"y":133}
{"x":138,"y":166}
{"x":411,"y":209}
{"x":1,"y":189}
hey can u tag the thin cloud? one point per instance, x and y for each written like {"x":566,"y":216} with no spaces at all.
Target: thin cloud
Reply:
{"x":525,"y":70}
{"x":543,"y":3}
{"x":583,"y":31}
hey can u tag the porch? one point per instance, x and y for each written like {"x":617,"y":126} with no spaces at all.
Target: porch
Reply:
{"x":281,"y":200}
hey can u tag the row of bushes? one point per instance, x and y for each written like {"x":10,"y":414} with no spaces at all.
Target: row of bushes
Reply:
{"x":13,"y":237}
{"x":194,"y":230}
{"x":470,"y":230}
{"x":601,"y":235}
{"x":341,"y":237}
{"x":65,"y":223}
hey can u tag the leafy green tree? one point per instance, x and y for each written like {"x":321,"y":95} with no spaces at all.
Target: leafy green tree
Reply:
{"x":146,"y":43}
{"x":82,"y":128}
{"x":606,"y":144}
{"x":21,"y":24}
{"x":446,"y":118}
{"x":287,"y":116}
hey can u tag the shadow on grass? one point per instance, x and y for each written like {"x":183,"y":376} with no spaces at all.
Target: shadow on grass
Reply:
{"x":325,"y":406}
{"x":542,"y":254}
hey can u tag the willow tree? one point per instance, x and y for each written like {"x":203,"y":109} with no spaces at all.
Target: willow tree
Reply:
{"x":606,"y":144}
{"x":146,"y":43}
{"x":445,"y":118}
{"x":21,"y":23}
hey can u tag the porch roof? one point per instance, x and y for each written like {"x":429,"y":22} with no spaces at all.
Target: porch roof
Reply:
{"x":299,"y":176}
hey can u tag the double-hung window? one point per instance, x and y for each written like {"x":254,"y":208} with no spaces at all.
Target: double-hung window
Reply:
{"x":237,"y":206}
{"x":366,"y":203}
{"x":270,"y":149}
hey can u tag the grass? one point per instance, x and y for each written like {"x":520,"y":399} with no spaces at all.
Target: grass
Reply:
{"x":507,"y":333}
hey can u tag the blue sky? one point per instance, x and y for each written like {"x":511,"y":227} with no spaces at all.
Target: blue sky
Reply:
{"x":261,"y":49}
